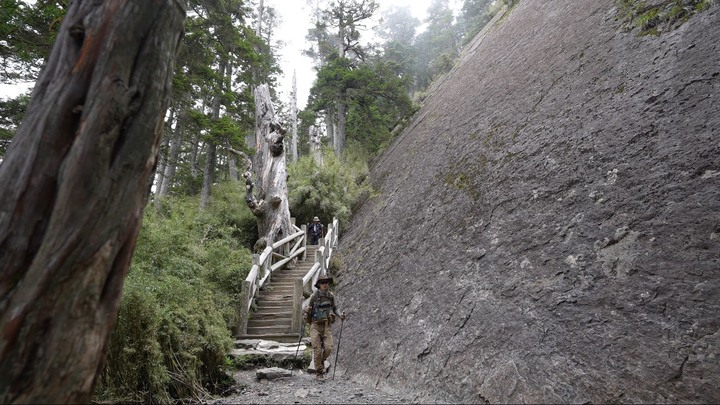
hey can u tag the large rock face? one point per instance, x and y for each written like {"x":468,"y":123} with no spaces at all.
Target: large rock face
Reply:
{"x":548,"y":227}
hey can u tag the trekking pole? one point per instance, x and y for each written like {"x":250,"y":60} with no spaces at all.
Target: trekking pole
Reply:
{"x":342,"y":322}
{"x":302,"y":334}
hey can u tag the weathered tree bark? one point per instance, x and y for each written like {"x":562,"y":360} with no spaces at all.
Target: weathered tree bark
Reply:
{"x":293,"y":117}
{"x":195,"y":156}
{"x":258,"y":22}
{"x":341,"y":124}
{"x":208,"y":174}
{"x":270,"y":206}
{"x":251,"y":139}
{"x":315,"y":145}
{"x":330,"y":125}
{"x":73,"y":187}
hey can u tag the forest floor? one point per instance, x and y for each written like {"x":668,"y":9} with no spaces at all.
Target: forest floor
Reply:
{"x":302,"y":388}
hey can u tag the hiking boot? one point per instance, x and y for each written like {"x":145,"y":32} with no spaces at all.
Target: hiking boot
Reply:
{"x":319,"y":377}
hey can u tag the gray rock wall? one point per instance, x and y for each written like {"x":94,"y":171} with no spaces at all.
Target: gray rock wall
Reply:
{"x":548,"y":227}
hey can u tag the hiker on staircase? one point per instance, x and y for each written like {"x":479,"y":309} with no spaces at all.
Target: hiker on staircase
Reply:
{"x":316,"y":231}
{"x":320,"y":314}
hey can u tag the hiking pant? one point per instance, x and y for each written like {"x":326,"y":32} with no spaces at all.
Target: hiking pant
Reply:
{"x":322,"y":343}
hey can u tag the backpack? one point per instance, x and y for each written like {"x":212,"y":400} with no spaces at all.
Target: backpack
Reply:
{"x":315,"y":229}
{"x":323,"y":307}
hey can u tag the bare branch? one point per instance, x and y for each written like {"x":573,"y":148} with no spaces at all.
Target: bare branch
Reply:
{"x":248,"y":161}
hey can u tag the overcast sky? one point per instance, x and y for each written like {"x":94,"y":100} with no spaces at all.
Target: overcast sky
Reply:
{"x":296,"y":21}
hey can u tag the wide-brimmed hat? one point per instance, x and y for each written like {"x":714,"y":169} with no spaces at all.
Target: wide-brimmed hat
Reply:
{"x":323,"y":278}
{"x":316,"y":219}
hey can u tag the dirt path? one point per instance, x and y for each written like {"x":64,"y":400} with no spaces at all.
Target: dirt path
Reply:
{"x":302,"y":388}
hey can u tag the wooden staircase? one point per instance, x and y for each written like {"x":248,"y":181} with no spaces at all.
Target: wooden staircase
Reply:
{"x":272,"y":319}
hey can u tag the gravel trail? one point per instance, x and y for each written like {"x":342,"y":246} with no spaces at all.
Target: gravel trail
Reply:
{"x":302,"y":388}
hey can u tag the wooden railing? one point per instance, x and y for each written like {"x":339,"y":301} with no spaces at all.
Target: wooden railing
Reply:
{"x":283,"y":251}
{"x":263,"y":267}
{"x":304,"y":286}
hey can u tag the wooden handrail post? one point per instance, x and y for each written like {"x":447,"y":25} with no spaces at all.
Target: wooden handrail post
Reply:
{"x":319,"y":260}
{"x":304,"y":241}
{"x":261,"y":268}
{"x":266,"y":268}
{"x":322,"y":258}
{"x":244,"y":304}
{"x":328,"y":237}
{"x":297,"y":306}
{"x":289,"y":244}
{"x":336,"y":235}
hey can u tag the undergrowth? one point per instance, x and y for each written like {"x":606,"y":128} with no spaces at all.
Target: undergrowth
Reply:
{"x":331,"y":190}
{"x":658,"y":18}
{"x":173,"y":331}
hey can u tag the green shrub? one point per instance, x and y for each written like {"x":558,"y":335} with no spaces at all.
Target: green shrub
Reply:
{"x":658,"y":18}
{"x":135,"y":371}
{"x":328,"y":191}
{"x":255,"y":361}
{"x":180,"y":302}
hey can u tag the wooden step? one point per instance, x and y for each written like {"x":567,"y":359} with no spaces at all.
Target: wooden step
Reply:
{"x":271,"y":313}
{"x":295,"y":271}
{"x":275,"y":293}
{"x":277,"y":282}
{"x":266,"y":303}
{"x":276,"y":307}
{"x":281,"y":282}
{"x":271,"y":303}
{"x":278,"y":297}
{"x":273,"y":287}
{"x":268,"y":296}
{"x":265,"y":330}
{"x":287,"y":322}
{"x":271,"y":298}
{"x":287,"y":276}
{"x":284,"y":280}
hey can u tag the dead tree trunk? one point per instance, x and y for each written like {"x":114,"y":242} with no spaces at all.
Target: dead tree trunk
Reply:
{"x":163,"y":154}
{"x":316,"y":145}
{"x":73,"y":187}
{"x":293,"y":117}
{"x":330,"y":125}
{"x":173,"y":153}
{"x":270,"y":203}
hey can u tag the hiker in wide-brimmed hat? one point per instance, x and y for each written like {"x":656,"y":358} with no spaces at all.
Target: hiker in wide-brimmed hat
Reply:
{"x":323,"y":280}
{"x":320,"y":314}
{"x":315,"y":228}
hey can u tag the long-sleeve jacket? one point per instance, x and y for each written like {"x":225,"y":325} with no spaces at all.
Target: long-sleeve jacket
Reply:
{"x":321,"y":305}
